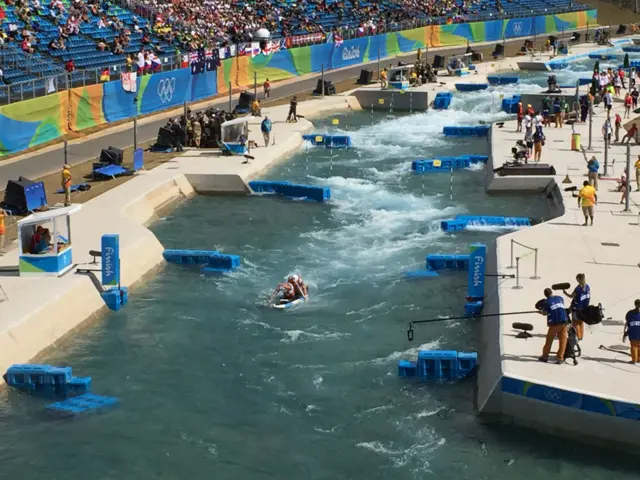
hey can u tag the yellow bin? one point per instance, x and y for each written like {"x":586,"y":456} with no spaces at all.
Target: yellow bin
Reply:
{"x":575,"y":142}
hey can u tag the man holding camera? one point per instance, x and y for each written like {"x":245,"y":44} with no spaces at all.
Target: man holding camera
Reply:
{"x":632,"y":331}
{"x":553,"y":307}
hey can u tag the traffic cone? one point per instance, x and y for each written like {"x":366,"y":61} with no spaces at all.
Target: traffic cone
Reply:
{"x":567,"y":179}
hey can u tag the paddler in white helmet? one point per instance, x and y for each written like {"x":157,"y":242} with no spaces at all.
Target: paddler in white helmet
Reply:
{"x":298,"y":284}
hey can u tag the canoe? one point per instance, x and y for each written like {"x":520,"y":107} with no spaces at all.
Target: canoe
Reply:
{"x":283,"y":304}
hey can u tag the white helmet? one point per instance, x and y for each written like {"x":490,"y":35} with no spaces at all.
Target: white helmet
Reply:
{"x":295,"y":277}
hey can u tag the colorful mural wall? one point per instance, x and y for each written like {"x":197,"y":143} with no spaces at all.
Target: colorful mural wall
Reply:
{"x":29,"y":123}
{"x":33,"y":122}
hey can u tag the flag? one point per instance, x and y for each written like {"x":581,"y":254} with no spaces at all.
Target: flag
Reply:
{"x":129,"y":82}
{"x":337,"y":39}
{"x":212,"y":60}
{"x":252,"y":49}
{"x":197,"y":61}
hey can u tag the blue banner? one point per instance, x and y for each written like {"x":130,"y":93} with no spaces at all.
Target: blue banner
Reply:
{"x":111,"y":260}
{"x":477,"y":261}
{"x":349,"y":53}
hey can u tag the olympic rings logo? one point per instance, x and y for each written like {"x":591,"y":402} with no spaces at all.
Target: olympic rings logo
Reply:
{"x":166,"y":87}
{"x":552,"y":395}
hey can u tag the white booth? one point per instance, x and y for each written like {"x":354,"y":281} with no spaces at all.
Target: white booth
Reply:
{"x":399,"y":77}
{"x":44,"y":240}
{"x":235,"y":136}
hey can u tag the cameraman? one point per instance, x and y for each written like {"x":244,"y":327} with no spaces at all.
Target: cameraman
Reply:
{"x":553,"y":307}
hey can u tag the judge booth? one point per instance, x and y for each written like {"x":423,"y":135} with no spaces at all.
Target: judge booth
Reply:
{"x":44,"y":242}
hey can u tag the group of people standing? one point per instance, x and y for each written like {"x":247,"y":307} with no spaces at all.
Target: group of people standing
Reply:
{"x":559,"y":322}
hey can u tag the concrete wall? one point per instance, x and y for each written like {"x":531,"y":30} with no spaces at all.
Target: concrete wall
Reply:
{"x":393,"y":99}
{"x":490,"y":370}
{"x":616,"y":433}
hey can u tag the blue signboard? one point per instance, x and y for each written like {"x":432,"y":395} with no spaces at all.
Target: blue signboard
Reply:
{"x":111,"y":260}
{"x":477,"y":265}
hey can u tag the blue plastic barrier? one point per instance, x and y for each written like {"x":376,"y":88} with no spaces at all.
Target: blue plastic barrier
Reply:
{"x":445,"y":164}
{"x":471,"y":309}
{"x":631,"y":49}
{"x":88,"y":402}
{"x":498,"y":80}
{"x":558,"y":65}
{"x":461,"y":222}
{"x":436,"y":261}
{"x":442,"y":100}
{"x":471,"y":131}
{"x":510,"y":105}
{"x":584,"y":81}
{"x":420,"y":274}
{"x":328,"y":141}
{"x":471,"y":87}
{"x":632,"y":63}
{"x":601,"y":56}
{"x":440,"y":365}
{"x":115,"y":297}
{"x":46,"y":380}
{"x":291,"y":190}
{"x":206,"y":258}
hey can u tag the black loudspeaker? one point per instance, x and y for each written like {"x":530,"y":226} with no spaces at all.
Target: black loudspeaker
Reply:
{"x":525,"y":327}
{"x":366,"y":77}
{"x":576,"y":37}
{"x":622,"y":30}
{"x":111,"y":155}
{"x":537,"y":169}
{"x":165,"y":137}
{"x":245,"y":100}
{"x":476,"y":57}
{"x":329,"y":88}
{"x":438,"y":61}
{"x":498,"y":51}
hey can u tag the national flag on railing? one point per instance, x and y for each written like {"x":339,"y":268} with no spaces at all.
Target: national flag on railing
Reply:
{"x":129,"y":82}
{"x":212,"y":60}
{"x":334,"y":38}
{"x":196,"y":60}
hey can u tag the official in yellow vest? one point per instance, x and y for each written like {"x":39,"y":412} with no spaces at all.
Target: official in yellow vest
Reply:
{"x":66,"y":184}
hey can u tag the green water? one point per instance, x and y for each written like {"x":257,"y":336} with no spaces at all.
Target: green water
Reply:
{"x":215,"y":385}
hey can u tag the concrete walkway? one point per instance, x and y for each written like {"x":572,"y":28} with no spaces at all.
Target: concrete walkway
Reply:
{"x":607,"y":254}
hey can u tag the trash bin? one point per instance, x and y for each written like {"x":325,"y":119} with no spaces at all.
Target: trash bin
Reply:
{"x":575,"y":142}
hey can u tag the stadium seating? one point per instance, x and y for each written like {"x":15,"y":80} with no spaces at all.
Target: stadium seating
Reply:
{"x":281,"y":17}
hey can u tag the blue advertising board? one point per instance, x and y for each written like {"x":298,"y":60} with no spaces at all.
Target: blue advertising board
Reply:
{"x":477,"y":266}
{"x":111,"y":260}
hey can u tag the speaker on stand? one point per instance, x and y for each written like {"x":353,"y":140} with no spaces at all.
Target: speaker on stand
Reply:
{"x":366,"y":77}
{"x":438,"y":61}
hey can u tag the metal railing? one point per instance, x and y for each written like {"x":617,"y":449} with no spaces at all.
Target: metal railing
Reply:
{"x":517,"y":262}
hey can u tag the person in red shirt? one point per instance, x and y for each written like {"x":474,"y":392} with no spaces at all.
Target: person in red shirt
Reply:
{"x":631,"y":133}
{"x":520,"y":116}
{"x":70,"y":66}
{"x":618,"y":124}
{"x":628,"y":102}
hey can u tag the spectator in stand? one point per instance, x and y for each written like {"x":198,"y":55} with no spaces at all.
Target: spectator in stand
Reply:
{"x":70,"y":66}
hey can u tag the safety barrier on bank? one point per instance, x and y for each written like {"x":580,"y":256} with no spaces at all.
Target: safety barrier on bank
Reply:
{"x":33,"y":122}
{"x":292,"y":190}
{"x":440,"y":365}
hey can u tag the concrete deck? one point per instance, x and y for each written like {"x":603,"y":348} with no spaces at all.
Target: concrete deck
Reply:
{"x":582,"y":400}
{"x":38,"y":312}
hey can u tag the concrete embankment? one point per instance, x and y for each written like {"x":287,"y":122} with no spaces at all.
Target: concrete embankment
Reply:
{"x":38,"y":312}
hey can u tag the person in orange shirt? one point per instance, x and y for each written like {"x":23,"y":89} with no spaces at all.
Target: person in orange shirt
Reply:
{"x":2,"y":229}
{"x":66,"y":185}
{"x":267,"y":88}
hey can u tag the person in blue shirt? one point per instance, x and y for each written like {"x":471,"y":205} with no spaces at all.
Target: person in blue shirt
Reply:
{"x":632,"y":331}
{"x":592,"y":171}
{"x":580,"y":299}
{"x":553,"y":308}
{"x":265,"y":127}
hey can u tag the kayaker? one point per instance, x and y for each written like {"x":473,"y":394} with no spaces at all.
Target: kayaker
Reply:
{"x":288,"y":291}
{"x":298,"y":284}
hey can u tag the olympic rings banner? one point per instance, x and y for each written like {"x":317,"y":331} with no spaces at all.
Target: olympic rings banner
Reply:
{"x":33,"y":122}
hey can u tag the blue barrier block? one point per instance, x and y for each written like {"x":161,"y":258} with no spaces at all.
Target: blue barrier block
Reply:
{"x":227,"y":262}
{"x":315,"y":139}
{"x":337,"y":141}
{"x":471,"y":309}
{"x":440,"y":262}
{"x":471,"y":87}
{"x":287,"y":189}
{"x":407,"y":368}
{"x":442,"y":100}
{"x":79,"y":385}
{"x":490,"y":221}
{"x":470,"y":131}
{"x":88,"y":402}
{"x":438,"y":364}
{"x":188,"y":257}
{"x":467,"y":364}
{"x":498,"y":80}
{"x":601,"y":56}
{"x":634,"y":48}
{"x":558,"y":65}
{"x":115,"y":297}
{"x":454,"y":225}
{"x":584,"y":81}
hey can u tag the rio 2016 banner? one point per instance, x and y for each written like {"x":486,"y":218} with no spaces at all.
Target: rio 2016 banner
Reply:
{"x":33,"y":122}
